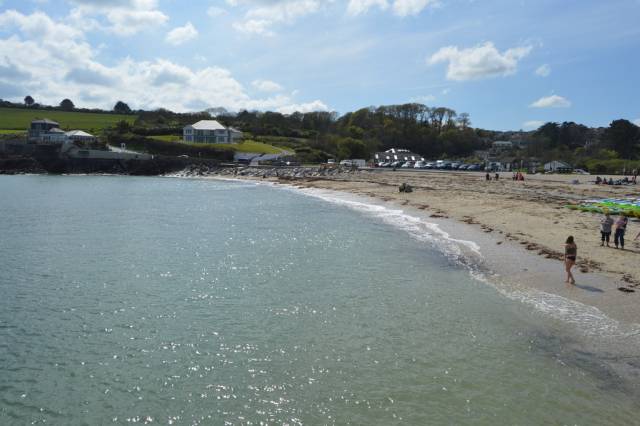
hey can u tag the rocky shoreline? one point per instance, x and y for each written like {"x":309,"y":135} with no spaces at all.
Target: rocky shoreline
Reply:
{"x":267,"y":172}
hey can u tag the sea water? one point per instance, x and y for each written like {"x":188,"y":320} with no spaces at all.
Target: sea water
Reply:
{"x":175,"y":301}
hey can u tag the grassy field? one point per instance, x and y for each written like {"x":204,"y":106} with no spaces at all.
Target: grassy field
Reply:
{"x":19,"y":119}
{"x":246,"y":146}
{"x":12,"y":132}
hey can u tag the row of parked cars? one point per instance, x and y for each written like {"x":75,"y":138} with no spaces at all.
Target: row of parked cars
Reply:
{"x":439,"y":165}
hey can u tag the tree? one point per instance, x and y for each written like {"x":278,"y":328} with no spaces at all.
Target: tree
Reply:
{"x":121,"y":108}
{"x":67,"y":105}
{"x":28,"y":100}
{"x":351,"y":148}
{"x":622,"y":136}
{"x":464,"y":121}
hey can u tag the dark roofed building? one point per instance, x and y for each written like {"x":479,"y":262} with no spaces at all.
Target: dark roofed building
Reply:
{"x":41,"y":127}
{"x":395,"y":154}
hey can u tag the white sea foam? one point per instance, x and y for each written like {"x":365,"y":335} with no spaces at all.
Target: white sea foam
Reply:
{"x":589,"y":320}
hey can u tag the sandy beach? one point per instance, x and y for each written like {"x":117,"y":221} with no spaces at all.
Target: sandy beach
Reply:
{"x":521,"y":226}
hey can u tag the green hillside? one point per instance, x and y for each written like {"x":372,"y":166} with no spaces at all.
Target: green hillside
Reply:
{"x":19,"y":119}
{"x":245,"y":146}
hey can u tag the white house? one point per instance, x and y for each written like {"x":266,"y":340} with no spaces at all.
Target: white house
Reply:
{"x":210,"y":131}
{"x":557,"y":167}
{"x":48,"y":132}
{"x":500,"y":145}
{"x":80,"y":136}
{"x":396,"y":154}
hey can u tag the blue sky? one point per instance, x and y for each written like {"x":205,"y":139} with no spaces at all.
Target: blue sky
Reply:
{"x":509,"y":64}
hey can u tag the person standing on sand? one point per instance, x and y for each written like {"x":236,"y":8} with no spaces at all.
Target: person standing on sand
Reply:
{"x":605,"y":228}
{"x":487,"y":176}
{"x":621,"y":227}
{"x":570,"y":253}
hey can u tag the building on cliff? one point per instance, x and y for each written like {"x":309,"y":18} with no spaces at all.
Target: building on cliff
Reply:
{"x":210,"y":131}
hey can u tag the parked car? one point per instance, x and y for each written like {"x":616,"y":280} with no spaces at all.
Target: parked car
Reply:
{"x":419,"y":164}
{"x":408,"y":164}
{"x":396,"y":164}
{"x":430,"y":165}
{"x":463,"y":167}
{"x":581,"y":172}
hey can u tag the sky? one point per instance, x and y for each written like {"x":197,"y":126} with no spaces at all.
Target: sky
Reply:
{"x":510,"y":64}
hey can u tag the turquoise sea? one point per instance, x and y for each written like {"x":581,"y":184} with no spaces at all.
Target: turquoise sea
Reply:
{"x":175,"y":301}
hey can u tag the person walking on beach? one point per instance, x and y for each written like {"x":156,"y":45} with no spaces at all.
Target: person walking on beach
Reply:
{"x":621,"y":227}
{"x":570,"y":253}
{"x":605,"y":228}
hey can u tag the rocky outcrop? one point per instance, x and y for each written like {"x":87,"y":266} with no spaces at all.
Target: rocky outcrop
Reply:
{"x":262,"y":172}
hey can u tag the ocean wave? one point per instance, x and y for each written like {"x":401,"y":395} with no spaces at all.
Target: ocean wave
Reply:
{"x":590,"y":320}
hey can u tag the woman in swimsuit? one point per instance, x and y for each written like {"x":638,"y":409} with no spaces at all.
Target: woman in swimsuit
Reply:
{"x":570,"y":253}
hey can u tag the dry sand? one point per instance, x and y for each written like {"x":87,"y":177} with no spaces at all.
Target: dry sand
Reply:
{"x":527,"y":224}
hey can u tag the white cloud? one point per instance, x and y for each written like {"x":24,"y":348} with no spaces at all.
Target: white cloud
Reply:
{"x":305,"y":107}
{"x":543,"y":70}
{"x":399,"y":7}
{"x":477,"y":62}
{"x":424,"y":99}
{"x":263,"y":15}
{"x":637,"y":122}
{"x":214,"y":11}
{"x":266,"y":85}
{"x":52,"y":61}
{"x":180,"y":35}
{"x":124,"y":17}
{"x":358,"y":7}
{"x":532,"y":124}
{"x":553,"y":101}
{"x":411,"y":7}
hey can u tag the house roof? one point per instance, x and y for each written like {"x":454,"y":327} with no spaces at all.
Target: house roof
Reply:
{"x":79,"y":133}
{"x":557,"y":163}
{"x":45,"y":121}
{"x":233,"y":129}
{"x":208,"y":125}
{"x":56,"y":130}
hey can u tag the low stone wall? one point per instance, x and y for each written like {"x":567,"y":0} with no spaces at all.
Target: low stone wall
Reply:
{"x":194,"y":170}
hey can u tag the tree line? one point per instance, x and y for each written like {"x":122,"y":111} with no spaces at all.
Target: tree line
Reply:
{"x":66,"y":105}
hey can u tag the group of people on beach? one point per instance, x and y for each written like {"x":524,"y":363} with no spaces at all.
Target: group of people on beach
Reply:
{"x":518,"y":176}
{"x":495,"y":177}
{"x":607,"y":225}
{"x":624,"y":181}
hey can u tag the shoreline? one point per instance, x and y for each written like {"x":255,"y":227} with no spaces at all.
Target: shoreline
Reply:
{"x":599,"y":325}
{"x":508,"y":240}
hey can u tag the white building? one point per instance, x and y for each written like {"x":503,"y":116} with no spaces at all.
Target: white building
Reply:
{"x":557,"y":167}
{"x":49,"y":132}
{"x":210,"y":131}
{"x":80,"y":136}
{"x":500,"y":145}
{"x":396,"y":154}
